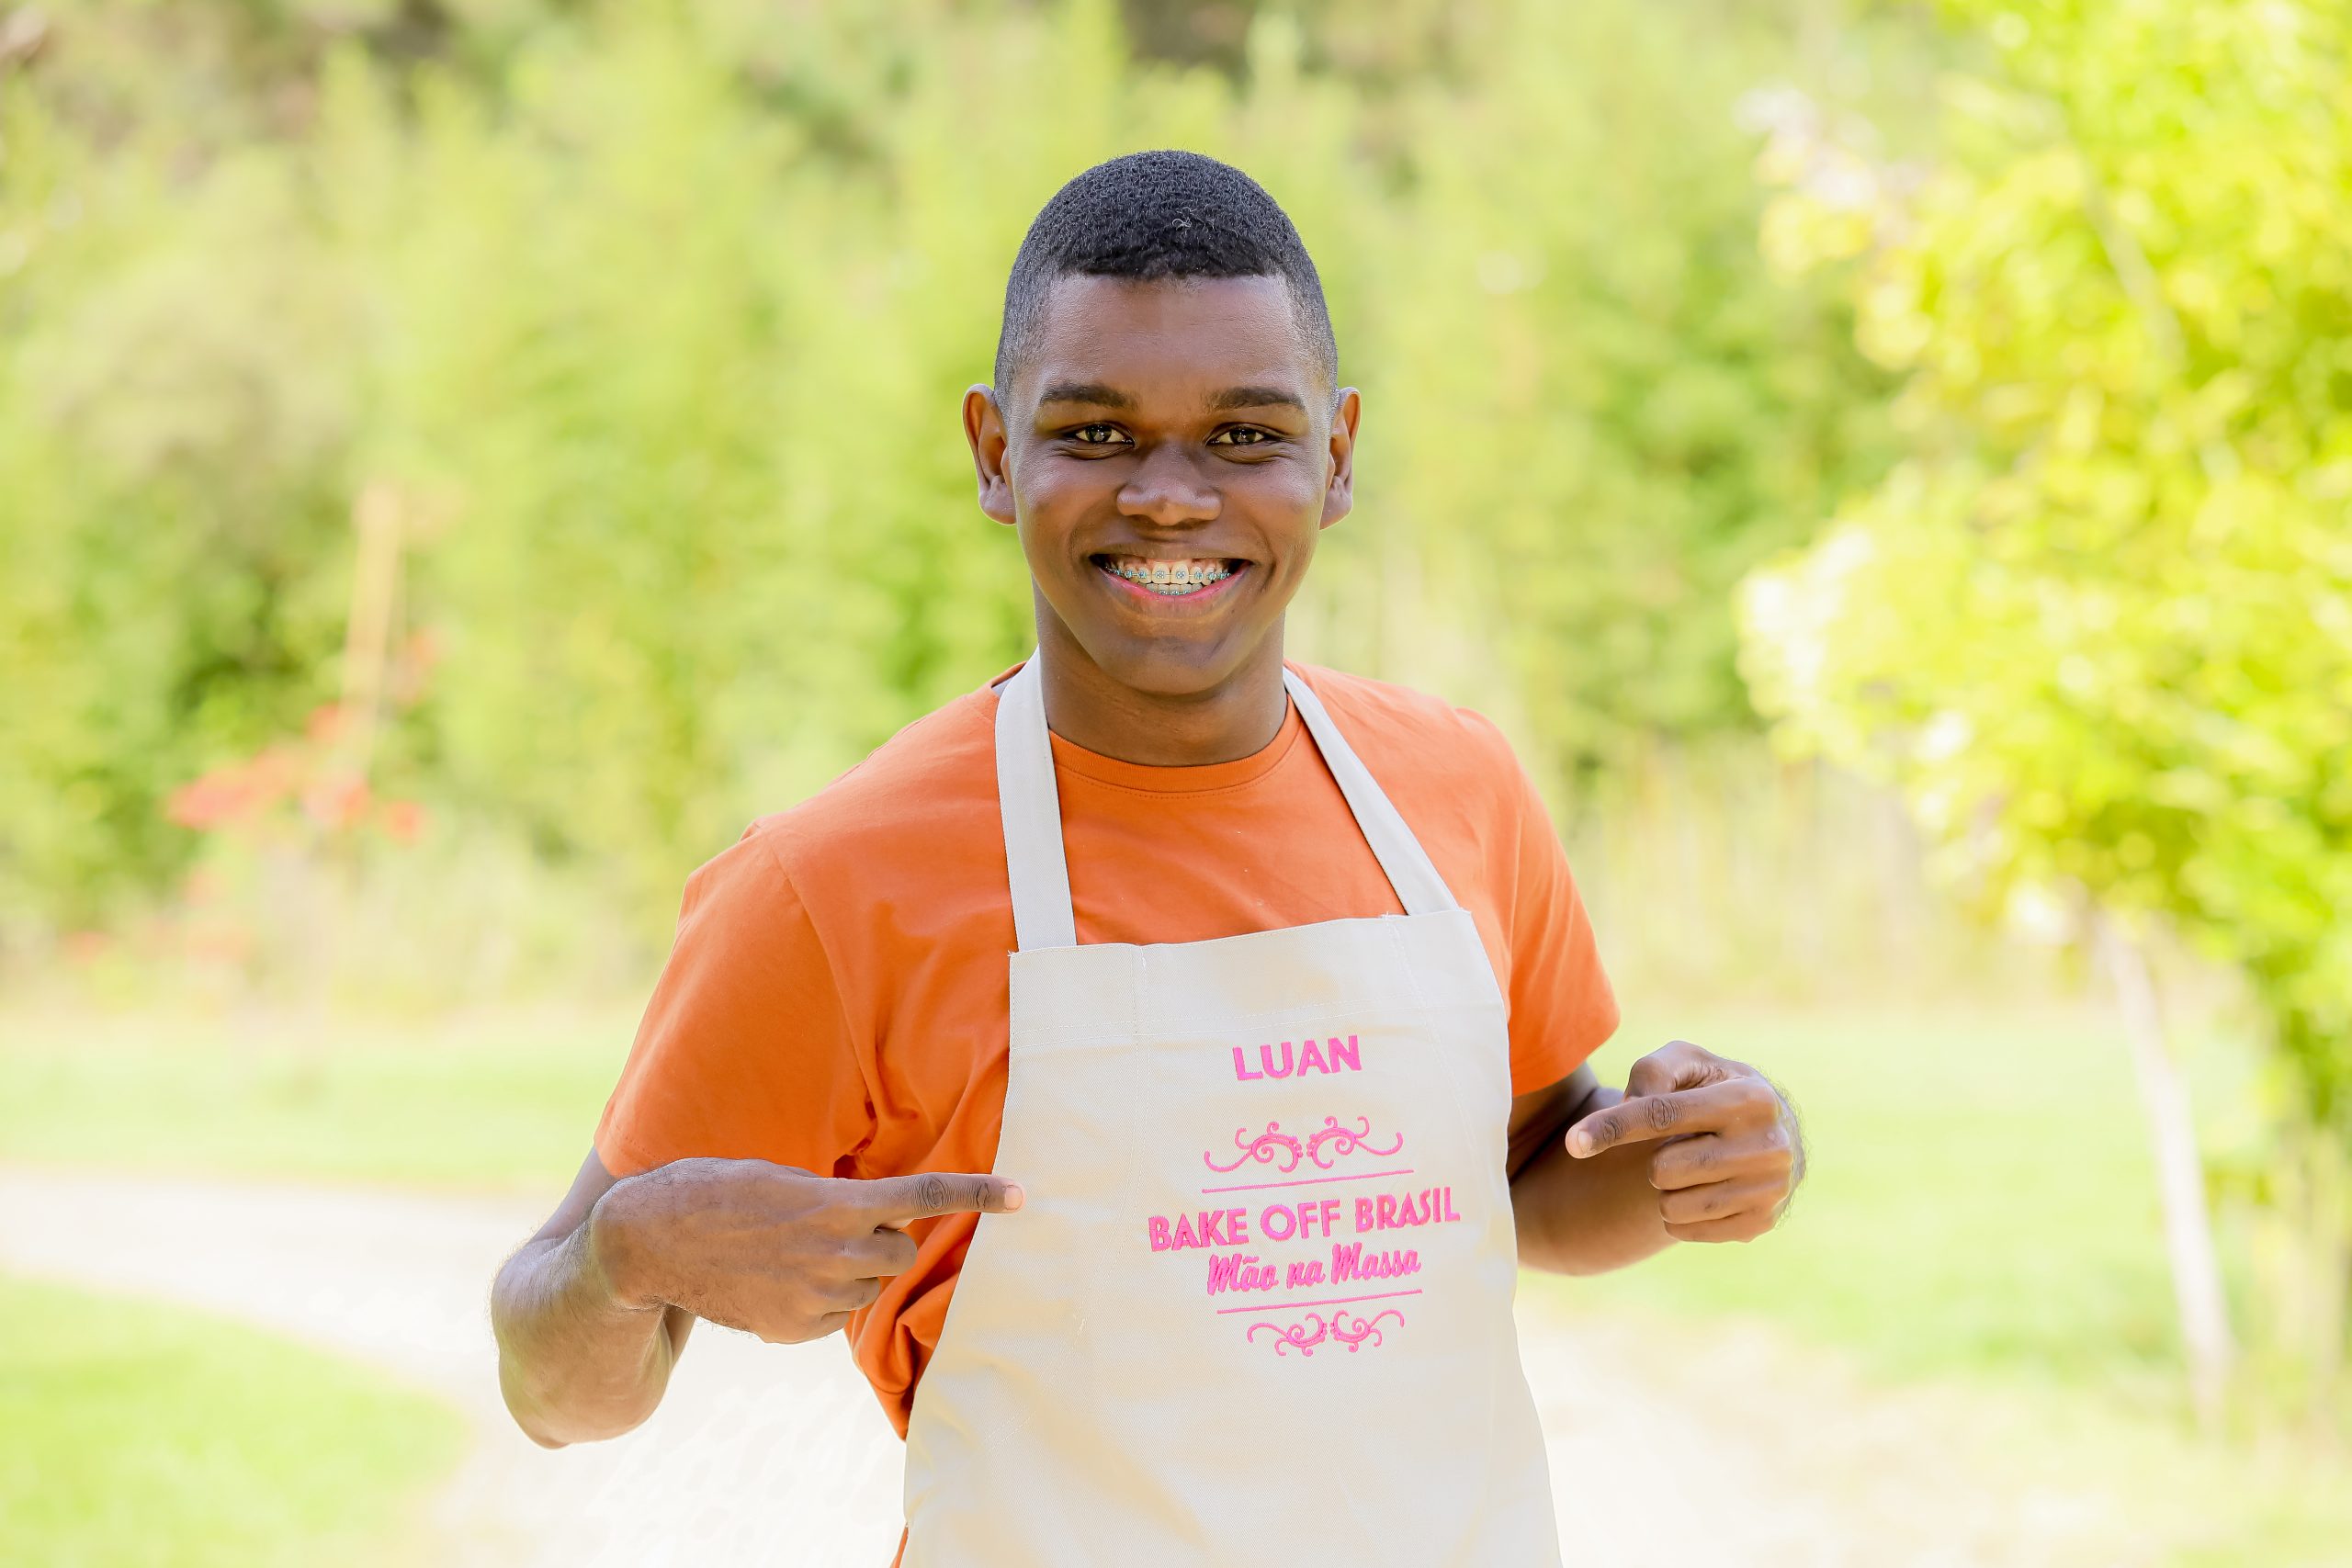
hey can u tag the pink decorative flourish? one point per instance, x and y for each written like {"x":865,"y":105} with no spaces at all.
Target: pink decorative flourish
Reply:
{"x":1265,"y":1148}
{"x":1347,"y":1140}
{"x":1294,"y":1336}
{"x":1354,"y":1334}
{"x":1274,"y":1144}
{"x":1341,"y":1329}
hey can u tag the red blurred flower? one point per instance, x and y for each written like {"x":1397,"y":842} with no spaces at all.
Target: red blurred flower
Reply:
{"x":215,"y":799}
{"x":337,"y":801}
{"x":329,"y":723}
{"x":403,"y":820}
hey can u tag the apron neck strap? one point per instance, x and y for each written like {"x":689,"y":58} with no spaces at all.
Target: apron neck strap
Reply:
{"x":1038,"y":869}
{"x":1032,"y":814}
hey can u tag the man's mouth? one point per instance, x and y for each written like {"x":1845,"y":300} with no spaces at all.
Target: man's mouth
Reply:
{"x":1169,"y":578}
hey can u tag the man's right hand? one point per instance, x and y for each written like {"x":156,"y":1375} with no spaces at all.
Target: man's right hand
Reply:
{"x":772,"y":1249}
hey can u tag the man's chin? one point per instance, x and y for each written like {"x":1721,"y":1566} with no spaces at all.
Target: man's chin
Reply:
{"x":1176,"y":663}
{"x":1171,"y":667}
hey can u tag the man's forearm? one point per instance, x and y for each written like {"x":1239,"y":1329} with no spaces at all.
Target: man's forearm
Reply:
{"x":575,"y":1364}
{"x":1587,"y":1216}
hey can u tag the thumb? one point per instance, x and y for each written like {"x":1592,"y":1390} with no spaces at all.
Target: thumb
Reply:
{"x":1676,"y":1064}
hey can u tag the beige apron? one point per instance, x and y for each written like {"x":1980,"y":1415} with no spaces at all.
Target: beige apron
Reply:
{"x":1257,"y":1306}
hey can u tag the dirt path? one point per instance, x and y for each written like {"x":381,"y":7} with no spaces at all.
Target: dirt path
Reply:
{"x":777,"y":1455}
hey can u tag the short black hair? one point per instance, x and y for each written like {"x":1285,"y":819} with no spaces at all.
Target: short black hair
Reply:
{"x":1159,"y":215}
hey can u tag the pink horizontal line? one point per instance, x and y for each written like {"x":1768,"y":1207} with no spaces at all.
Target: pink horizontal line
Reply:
{"x":1335,"y":1301}
{"x":1308,"y":1181}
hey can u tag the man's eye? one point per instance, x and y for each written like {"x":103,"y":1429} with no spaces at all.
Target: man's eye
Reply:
{"x":1096,"y":435}
{"x":1241,"y":435}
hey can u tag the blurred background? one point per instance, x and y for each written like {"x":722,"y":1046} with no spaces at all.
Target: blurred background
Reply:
{"x":1886,"y":466}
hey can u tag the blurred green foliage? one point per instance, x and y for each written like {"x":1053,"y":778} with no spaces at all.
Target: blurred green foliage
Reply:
{"x":653,"y":319}
{"x":2099,"y":622}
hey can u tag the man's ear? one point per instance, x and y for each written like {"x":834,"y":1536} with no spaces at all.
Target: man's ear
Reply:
{"x":984,"y":428}
{"x":1338,"y":493}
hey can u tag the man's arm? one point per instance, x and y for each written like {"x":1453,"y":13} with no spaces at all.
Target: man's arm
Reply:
{"x":592,"y":1313}
{"x":575,"y":1361}
{"x":1578,"y":1217}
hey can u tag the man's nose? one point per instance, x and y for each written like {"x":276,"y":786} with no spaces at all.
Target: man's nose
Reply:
{"x":1167,"y":490}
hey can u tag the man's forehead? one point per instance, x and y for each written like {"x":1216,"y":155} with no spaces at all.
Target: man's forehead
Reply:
{"x":1195,"y":339}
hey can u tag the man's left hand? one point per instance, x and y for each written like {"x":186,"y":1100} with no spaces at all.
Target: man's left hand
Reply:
{"x":1731,"y":1157}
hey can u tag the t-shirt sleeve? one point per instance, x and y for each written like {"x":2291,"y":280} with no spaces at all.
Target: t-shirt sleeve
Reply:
{"x":744,"y":1051}
{"x":1562,"y":1008}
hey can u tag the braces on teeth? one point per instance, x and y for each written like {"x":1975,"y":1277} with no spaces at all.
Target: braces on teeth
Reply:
{"x":1171,"y":577}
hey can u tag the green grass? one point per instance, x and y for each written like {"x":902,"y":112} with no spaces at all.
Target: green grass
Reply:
{"x":1980,"y":1212}
{"x":507,"y":1102}
{"x":135,"y":1435}
{"x":1979,"y":1196}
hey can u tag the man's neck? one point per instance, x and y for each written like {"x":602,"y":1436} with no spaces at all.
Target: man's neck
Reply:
{"x":1236,"y":718}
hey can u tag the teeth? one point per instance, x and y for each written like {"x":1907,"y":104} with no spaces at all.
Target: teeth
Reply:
{"x":1170,"y":577}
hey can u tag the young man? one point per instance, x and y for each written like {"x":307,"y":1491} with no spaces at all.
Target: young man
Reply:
{"x":1209,"y":1030}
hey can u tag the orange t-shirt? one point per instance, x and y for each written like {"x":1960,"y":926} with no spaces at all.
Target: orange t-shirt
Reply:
{"x":837,"y":996}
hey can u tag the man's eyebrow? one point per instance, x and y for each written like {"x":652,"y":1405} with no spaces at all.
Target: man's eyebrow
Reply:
{"x":1234,"y":398}
{"x":1093,"y":392}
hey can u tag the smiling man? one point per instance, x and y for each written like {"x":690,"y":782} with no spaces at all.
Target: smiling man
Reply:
{"x":1160,"y":1060}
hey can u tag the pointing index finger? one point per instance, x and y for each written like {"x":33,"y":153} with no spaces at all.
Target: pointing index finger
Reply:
{"x":894,"y":1199}
{"x":1654,"y":1116}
